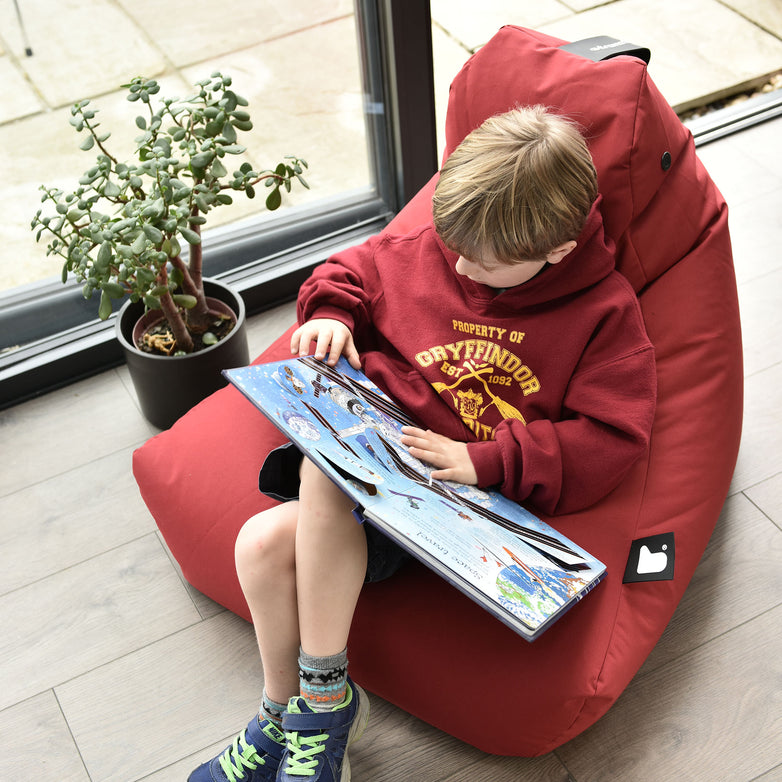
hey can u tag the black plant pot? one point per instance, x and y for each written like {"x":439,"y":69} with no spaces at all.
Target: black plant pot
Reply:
{"x":168,"y":386}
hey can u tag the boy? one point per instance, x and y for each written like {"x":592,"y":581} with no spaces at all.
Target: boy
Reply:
{"x":505,"y":330}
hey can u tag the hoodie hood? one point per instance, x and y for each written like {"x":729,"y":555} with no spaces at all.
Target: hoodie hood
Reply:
{"x":589,"y":263}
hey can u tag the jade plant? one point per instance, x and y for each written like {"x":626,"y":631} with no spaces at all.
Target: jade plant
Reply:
{"x":123,"y":229}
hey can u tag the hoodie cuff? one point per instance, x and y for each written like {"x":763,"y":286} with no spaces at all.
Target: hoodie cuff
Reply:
{"x":486,"y":457}
{"x":333,"y":313}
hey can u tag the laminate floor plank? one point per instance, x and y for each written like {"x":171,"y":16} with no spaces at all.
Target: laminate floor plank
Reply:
{"x":775,"y":775}
{"x":398,"y":746}
{"x":760,"y":455}
{"x":265,"y":328}
{"x":169,"y":700}
{"x":761,"y":315}
{"x":88,"y":615}
{"x":179,"y":770}
{"x":64,"y":520}
{"x":63,"y":429}
{"x":35,"y":743}
{"x":713,"y":714}
{"x":767,"y":495}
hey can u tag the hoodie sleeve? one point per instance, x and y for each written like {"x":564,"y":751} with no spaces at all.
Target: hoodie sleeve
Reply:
{"x":566,"y":465}
{"x":341,"y":288}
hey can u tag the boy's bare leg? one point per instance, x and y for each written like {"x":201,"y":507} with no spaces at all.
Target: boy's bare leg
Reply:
{"x":331,"y":563}
{"x":265,"y":564}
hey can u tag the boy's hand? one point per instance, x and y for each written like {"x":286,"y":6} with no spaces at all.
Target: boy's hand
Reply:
{"x":331,"y":336}
{"x":449,"y":456}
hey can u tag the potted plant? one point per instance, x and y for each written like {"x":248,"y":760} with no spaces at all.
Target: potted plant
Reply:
{"x":122,"y":232}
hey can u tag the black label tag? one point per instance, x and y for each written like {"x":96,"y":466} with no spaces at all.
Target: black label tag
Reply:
{"x":651,"y":559}
{"x":604,"y":48}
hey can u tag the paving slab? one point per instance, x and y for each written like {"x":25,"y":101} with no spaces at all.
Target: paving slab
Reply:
{"x":449,"y":55}
{"x":764,"y":13}
{"x":474,"y":25}
{"x":190,"y":31}
{"x":701,"y":50}
{"x":81,"y":48}
{"x":17,"y":97}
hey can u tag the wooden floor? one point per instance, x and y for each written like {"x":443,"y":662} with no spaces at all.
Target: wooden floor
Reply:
{"x":113,"y":669}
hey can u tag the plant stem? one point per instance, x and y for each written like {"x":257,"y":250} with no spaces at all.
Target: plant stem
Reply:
{"x":196,"y":256}
{"x":182,"y":336}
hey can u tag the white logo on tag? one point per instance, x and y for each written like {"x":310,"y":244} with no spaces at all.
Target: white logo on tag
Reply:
{"x":652,"y":562}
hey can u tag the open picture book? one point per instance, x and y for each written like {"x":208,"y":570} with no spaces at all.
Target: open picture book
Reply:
{"x":506,"y":559}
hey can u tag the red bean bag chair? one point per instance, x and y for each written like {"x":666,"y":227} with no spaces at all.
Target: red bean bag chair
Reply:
{"x":414,"y":635}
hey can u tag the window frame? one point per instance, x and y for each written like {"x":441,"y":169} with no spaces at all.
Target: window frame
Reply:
{"x":266,"y":260}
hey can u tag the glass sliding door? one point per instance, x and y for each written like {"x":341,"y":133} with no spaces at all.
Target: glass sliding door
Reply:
{"x":345,"y":85}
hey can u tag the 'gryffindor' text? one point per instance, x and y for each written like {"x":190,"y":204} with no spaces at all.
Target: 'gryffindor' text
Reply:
{"x":452,"y":356}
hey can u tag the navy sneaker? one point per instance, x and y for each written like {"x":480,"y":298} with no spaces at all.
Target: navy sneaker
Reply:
{"x":318,"y":740}
{"x":254,"y":756}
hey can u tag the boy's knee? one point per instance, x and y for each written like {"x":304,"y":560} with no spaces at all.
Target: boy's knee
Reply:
{"x":269,"y":534}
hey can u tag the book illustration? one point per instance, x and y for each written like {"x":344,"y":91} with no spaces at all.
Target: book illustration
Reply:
{"x":491,"y":548}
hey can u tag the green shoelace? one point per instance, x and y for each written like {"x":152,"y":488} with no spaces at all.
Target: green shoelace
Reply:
{"x":302,"y":760}
{"x":238,"y":757}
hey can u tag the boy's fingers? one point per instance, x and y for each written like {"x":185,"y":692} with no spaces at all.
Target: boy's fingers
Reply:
{"x":301,"y":339}
{"x":304,"y":336}
{"x":295,"y":340}
{"x":330,"y":338}
{"x":351,"y":354}
{"x":419,"y":438}
{"x":442,"y":475}
{"x":326,"y":344}
{"x":334,"y":345}
{"x":296,"y":344}
{"x":305,"y":343}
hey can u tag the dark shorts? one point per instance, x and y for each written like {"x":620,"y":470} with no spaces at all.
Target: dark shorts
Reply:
{"x":279,"y":479}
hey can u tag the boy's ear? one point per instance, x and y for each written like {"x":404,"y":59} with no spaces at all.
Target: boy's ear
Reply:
{"x":558,"y":253}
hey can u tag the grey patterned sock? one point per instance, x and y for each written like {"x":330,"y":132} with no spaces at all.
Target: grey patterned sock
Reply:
{"x":323,"y":680}
{"x":272,"y":711}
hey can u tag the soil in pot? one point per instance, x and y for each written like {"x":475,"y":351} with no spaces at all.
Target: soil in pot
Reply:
{"x":153,"y":335}
{"x":159,"y":339}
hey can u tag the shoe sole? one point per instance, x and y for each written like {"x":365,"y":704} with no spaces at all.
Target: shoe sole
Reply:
{"x":356,"y":730}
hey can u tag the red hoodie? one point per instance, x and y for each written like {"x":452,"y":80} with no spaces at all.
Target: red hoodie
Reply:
{"x":552,"y":383}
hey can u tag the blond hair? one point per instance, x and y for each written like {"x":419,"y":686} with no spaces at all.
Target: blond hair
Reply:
{"x":518,"y":186}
